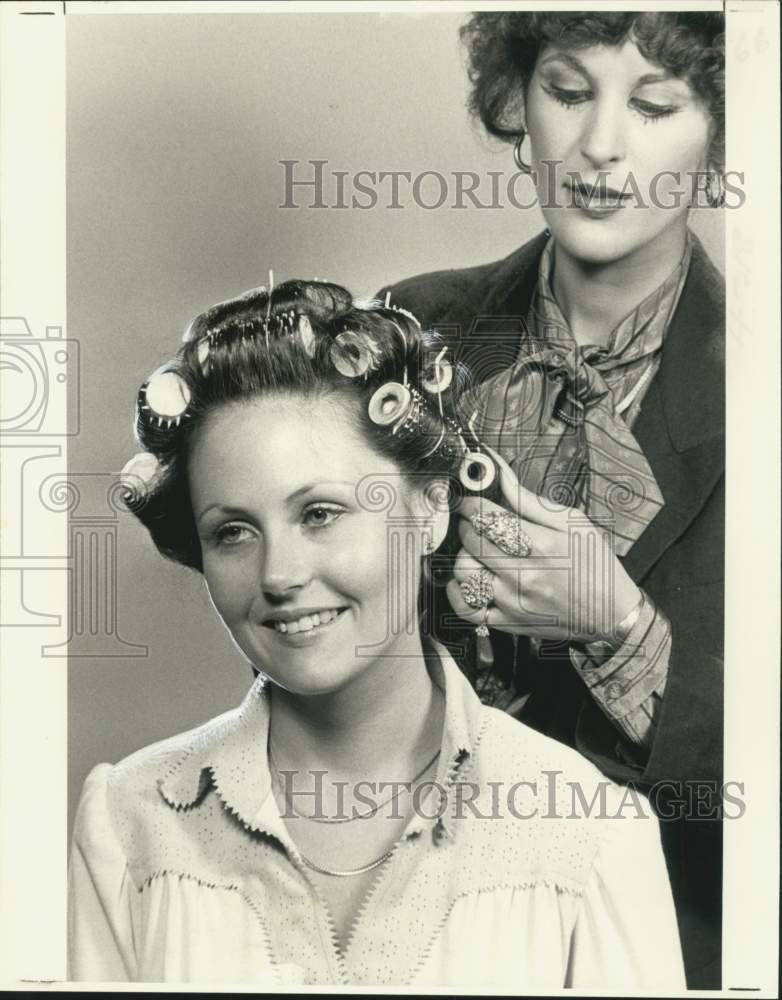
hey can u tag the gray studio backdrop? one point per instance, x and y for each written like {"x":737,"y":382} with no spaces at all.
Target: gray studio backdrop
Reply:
{"x":176,"y":128}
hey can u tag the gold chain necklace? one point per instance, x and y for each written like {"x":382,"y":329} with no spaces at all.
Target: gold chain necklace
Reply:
{"x":345,"y":819}
{"x":347,"y":872}
{"x":344,"y":872}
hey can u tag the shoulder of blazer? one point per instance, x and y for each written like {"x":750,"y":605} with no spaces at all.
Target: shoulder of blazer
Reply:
{"x":681,"y":426}
{"x":692,"y":369}
{"x":460,"y":294}
{"x":691,"y":378}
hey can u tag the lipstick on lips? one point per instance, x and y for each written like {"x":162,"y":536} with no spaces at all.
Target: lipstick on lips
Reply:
{"x":597,"y":199}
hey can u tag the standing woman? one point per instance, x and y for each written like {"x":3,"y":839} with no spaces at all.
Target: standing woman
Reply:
{"x":599,"y":346}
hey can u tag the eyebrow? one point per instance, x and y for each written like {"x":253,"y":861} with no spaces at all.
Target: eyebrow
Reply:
{"x":576,"y":64}
{"x":312,"y":486}
{"x":241,"y":512}
{"x":231,"y":511}
{"x":566,"y":57}
{"x":658,"y":78}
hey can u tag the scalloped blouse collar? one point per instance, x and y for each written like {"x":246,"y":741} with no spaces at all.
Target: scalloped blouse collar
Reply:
{"x":230,"y":752}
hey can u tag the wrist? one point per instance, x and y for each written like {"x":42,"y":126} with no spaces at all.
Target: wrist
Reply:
{"x":625,"y":626}
{"x":615,"y":639}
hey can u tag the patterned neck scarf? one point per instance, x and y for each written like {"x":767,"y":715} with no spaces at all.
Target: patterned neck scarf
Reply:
{"x":562,"y":414}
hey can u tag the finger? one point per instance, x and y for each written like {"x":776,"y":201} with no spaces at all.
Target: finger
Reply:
{"x":542,"y":541}
{"x":494,"y":617}
{"x":460,"y":606}
{"x":465,"y":565}
{"x":478,"y":505}
{"x":522,"y":501}
{"x":505,"y":590}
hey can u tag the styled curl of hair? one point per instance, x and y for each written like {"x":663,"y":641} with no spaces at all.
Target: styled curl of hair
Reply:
{"x":503,"y":48}
{"x":255,"y":349}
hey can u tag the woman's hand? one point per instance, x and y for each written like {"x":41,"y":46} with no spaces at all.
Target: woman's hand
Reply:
{"x":570,"y":587}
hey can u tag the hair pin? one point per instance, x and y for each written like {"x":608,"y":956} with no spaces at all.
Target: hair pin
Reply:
{"x":432,"y":450}
{"x":268,"y":306}
{"x":412,"y":415}
{"x":440,"y":378}
{"x":406,"y":312}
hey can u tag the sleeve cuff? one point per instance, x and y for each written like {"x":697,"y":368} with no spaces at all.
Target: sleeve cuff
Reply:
{"x":628,"y":678}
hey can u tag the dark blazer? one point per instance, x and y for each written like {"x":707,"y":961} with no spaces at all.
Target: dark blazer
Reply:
{"x":678,"y":560}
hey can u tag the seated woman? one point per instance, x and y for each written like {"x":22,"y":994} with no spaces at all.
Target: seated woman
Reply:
{"x":361,"y":818}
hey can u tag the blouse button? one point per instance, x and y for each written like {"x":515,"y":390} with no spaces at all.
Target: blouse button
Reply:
{"x":613,"y":690}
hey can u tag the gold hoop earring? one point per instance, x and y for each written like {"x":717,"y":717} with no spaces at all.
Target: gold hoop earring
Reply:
{"x":525,"y":168}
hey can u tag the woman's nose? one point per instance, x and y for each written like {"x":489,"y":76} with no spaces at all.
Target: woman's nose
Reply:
{"x":285,"y":568}
{"x":603,"y":136}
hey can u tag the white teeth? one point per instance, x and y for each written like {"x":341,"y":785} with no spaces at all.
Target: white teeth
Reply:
{"x":307,"y":622}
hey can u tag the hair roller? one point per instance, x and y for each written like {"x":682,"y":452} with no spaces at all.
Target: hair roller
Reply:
{"x":389,"y":404}
{"x":139,"y":477}
{"x":354,"y":353}
{"x":164,"y":398}
{"x":307,"y":335}
{"x":202,"y":354}
{"x":310,"y":338}
{"x":477,"y":472}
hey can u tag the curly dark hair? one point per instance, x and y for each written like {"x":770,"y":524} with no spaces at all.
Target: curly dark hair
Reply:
{"x":253,"y":346}
{"x":503,"y":49}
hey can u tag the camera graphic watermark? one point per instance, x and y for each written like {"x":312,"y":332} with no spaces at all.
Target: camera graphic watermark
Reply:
{"x":40,"y":381}
{"x":39,"y":407}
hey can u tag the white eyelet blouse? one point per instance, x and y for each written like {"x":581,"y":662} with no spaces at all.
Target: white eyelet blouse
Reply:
{"x":182,"y":870}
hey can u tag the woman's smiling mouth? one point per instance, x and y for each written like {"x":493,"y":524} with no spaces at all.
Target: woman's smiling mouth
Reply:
{"x":310,"y":621}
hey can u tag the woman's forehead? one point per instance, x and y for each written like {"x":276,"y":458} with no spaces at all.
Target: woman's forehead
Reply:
{"x":285,"y":437}
{"x":623,"y":63}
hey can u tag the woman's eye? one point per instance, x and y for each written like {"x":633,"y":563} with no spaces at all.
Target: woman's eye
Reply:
{"x":322,"y":517}
{"x":231,"y":534}
{"x":650,"y":110}
{"x":569,"y":97}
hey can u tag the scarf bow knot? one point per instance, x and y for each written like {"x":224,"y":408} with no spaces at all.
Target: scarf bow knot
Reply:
{"x":562,"y":415}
